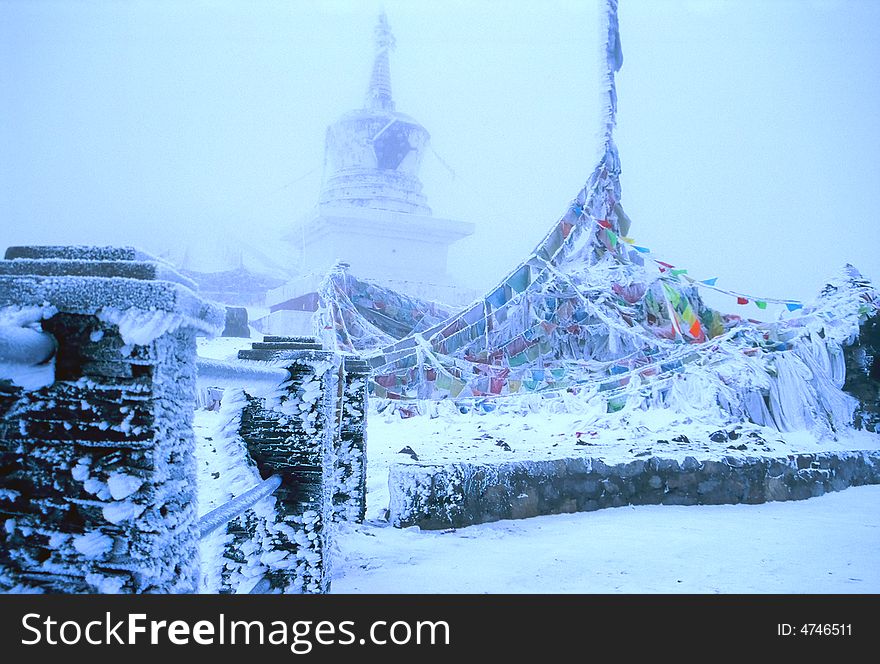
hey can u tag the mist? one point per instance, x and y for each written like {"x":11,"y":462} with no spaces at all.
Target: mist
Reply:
{"x":749,"y":132}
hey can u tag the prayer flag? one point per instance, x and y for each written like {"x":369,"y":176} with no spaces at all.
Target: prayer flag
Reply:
{"x":566,"y":229}
{"x":519,"y":280}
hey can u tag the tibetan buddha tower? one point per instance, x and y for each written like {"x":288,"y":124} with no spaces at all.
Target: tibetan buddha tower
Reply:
{"x":371,"y":213}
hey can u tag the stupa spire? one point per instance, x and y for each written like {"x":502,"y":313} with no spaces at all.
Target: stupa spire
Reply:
{"x":379,"y":90}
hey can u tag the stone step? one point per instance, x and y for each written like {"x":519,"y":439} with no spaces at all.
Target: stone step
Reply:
{"x":276,"y":339}
{"x":286,"y":345}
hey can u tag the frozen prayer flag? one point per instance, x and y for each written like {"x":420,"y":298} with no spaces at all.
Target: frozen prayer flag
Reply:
{"x":741,"y":300}
{"x":760,"y":304}
{"x":793,"y":306}
{"x":519,"y":280}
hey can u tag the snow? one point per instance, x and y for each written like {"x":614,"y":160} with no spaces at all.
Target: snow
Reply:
{"x":122,"y":486}
{"x":139,"y":327}
{"x":825,"y":544}
{"x":121,"y":511}
{"x":106,"y":585}
{"x":445,"y":435}
{"x":16,"y":321}
{"x":93,"y":544}
{"x":27,"y":376}
{"x":821,"y":545}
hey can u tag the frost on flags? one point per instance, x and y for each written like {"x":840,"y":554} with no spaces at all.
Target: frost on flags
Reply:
{"x":586,"y":313}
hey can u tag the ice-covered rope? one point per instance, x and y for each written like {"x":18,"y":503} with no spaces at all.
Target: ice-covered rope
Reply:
{"x":613,"y":63}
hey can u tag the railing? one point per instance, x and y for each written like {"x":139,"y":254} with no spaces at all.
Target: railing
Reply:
{"x":241,"y":503}
{"x":259,"y":380}
{"x":22,"y":345}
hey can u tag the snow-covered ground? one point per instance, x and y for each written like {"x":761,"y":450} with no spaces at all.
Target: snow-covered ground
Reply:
{"x":619,"y":437}
{"x":829,"y":544}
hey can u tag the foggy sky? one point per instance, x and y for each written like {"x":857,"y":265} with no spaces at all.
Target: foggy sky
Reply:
{"x":749,"y":131}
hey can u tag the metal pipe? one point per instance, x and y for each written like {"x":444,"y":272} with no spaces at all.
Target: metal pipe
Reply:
{"x":216,"y":373}
{"x":228,"y":511}
{"x":262,"y":587}
{"x":23,"y":345}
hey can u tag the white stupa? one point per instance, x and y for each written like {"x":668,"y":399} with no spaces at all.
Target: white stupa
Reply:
{"x":371,"y":213}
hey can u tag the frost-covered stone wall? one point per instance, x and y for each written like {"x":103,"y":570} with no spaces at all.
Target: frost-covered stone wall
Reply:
{"x":97,"y":476}
{"x":292,"y":435}
{"x":863,"y":374}
{"x":350,"y":445}
{"x":434,"y":496}
{"x":309,"y":430}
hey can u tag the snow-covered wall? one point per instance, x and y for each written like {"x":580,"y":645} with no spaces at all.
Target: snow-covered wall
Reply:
{"x":286,"y":408}
{"x":97,"y":470}
{"x":862,"y":359}
{"x":310,"y":432}
{"x":350,"y":445}
{"x":436,"y":496}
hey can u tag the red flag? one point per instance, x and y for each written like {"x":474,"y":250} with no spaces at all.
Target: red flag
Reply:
{"x":604,"y":223}
{"x":696,"y":329}
{"x":741,"y":300}
{"x":566,"y":229}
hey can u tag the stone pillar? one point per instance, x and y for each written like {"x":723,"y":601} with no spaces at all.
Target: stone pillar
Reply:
{"x":97,"y":473}
{"x":350,"y":445}
{"x":293,"y":438}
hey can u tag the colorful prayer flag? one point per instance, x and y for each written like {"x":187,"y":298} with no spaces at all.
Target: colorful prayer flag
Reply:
{"x":566,"y":229}
{"x":710,"y":282}
{"x":672,"y":294}
{"x":497,"y":298}
{"x":688,"y":314}
{"x":792,"y":306}
{"x":444,"y":381}
{"x":519,"y":280}
{"x":760,"y":304}
{"x":741,"y":300}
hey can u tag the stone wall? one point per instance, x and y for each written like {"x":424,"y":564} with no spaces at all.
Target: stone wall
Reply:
{"x":350,"y":444}
{"x":293,"y":438}
{"x":863,"y":374}
{"x":97,"y":477}
{"x":312,"y":434}
{"x":462,"y":494}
